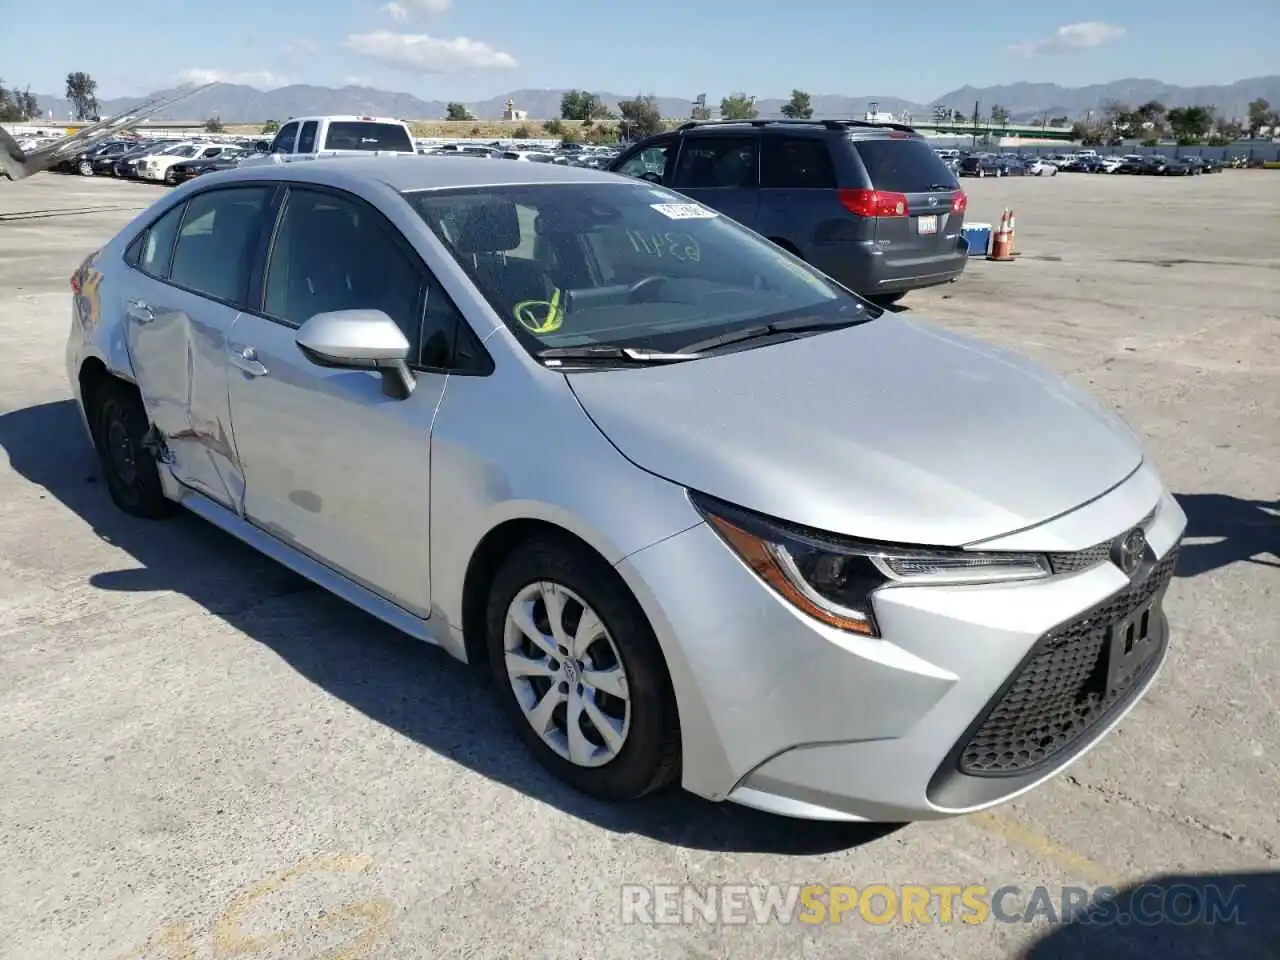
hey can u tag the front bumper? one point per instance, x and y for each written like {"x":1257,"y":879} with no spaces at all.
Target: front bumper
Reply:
{"x":783,"y":714}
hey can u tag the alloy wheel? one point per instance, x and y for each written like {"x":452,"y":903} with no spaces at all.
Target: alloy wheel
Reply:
{"x":567,"y":674}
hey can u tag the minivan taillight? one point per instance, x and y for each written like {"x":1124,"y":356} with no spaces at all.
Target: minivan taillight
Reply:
{"x":959,"y":202}
{"x":874,"y":203}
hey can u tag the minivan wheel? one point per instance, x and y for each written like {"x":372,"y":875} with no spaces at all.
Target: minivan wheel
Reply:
{"x":886,"y":299}
{"x":579,"y":672}
{"x":119,"y":425}
{"x":86,"y":168}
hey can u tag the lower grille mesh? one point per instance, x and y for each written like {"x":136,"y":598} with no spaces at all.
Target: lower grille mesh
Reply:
{"x":1061,"y":692}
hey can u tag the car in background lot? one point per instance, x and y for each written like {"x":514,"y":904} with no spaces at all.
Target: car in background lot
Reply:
{"x":792,"y":552}
{"x":990,"y":165}
{"x":306,"y":138}
{"x":155,"y":167}
{"x":1134,"y":163}
{"x":869,"y":204}
{"x":96,"y":159}
{"x":1035,"y":167}
{"x":186,"y":170}
{"x":126,"y":167}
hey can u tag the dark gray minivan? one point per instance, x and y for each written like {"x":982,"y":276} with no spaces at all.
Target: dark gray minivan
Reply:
{"x":869,"y":204}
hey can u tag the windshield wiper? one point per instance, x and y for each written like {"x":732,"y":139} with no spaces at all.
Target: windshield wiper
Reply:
{"x":940,"y":186}
{"x":791,"y":325}
{"x":555,"y":356}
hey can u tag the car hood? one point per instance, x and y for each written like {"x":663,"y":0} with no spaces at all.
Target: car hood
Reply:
{"x":891,"y":430}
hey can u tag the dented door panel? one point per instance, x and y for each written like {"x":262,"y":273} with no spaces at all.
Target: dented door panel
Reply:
{"x":177,"y":346}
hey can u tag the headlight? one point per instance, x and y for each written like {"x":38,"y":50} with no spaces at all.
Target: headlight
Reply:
{"x":832,"y":578}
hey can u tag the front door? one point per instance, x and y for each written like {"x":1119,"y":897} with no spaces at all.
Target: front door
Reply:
{"x":180,"y":303}
{"x":334,"y":467}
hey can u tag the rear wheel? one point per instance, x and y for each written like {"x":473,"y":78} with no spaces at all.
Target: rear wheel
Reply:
{"x":886,"y":299}
{"x":580,"y":673}
{"x":120,"y":427}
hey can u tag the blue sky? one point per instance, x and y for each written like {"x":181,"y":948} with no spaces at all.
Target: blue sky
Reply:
{"x":474,"y":49}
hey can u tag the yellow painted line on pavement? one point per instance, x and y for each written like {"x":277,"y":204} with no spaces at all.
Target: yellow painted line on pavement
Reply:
{"x":1023,"y":836}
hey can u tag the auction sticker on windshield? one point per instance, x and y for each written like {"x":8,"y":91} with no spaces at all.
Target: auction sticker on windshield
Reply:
{"x":684,"y":211}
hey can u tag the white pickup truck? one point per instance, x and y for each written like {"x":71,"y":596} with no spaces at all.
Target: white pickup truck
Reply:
{"x":310,"y":138}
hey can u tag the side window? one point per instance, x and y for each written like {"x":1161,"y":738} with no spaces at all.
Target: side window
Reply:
{"x":651,"y":160}
{"x":283,"y":143}
{"x":796,"y":163}
{"x":446,"y":336}
{"x":338,"y":253}
{"x":217,"y":242}
{"x":152,"y":251}
{"x":307,"y":139}
{"x":210,"y":152}
{"x":717,"y":161}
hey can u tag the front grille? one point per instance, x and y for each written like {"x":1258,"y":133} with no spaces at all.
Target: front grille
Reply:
{"x":1060,"y":692}
{"x":1077,"y":560}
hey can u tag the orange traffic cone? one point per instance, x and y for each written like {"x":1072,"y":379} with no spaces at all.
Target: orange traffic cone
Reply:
{"x":1002,"y":240}
{"x":1013,"y":236}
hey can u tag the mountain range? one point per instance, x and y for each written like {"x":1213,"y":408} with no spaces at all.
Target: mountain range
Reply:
{"x":235,"y":103}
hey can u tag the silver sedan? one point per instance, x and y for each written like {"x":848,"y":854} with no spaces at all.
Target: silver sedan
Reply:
{"x":708,"y":517}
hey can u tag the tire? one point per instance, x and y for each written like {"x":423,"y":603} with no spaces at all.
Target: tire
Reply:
{"x":85,"y":168}
{"x":981,"y":172}
{"x":999,"y":171}
{"x":119,"y":425}
{"x":886,"y":299}
{"x":170,"y":178}
{"x":649,"y":756}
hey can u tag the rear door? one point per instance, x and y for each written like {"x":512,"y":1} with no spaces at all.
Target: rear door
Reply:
{"x":907,"y":166}
{"x":722,"y":171}
{"x":797,"y":190}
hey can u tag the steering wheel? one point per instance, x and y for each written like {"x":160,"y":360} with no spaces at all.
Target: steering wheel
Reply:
{"x":652,"y":177}
{"x":645,"y":286}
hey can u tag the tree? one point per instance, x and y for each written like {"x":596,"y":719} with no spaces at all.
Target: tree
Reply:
{"x":82,"y":91}
{"x":1259,"y":116}
{"x":1154,"y":113}
{"x":214,"y":125}
{"x":582,"y":105}
{"x":999,"y":115}
{"x":941,"y":114}
{"x":457,"y":111}
{"x":799,"y":107}
{"x":640,"y":117}
{"x":957,"y":116}
{"x":1058,"y":121}
{"x":522,"y":132}
{"x":1190,"y":125}
{"x":17,"y":105}
{"x":739,"y":106}
{"x":1088,"y":133}
{"x":1230,"y":131}
{"x":701,"y":112}
{"x":556,"y":127}
{"x":270,"y":127}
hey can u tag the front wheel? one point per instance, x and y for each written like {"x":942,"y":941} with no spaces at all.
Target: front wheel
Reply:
{"x":120,"y":429}
{"x":579,"y":672}
{"x":86,"y":168}
{"x":886,"y":299}
{"x":170,"y":177}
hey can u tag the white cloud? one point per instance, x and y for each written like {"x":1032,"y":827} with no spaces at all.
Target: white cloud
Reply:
{"x":402,"y":10}
{"x":419,"y":53}
{"x":356,"y":81}
{"x":259,"y":79}
{"x":1076,"y":36}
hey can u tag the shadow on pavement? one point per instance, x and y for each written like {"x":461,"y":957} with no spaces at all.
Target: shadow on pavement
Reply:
{"x":1241,"y":530}
{"x":1172,"y":917}
{"x":407,"y":685}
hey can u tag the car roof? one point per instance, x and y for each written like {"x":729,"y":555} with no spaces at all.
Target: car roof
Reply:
{"x":413,"y":172}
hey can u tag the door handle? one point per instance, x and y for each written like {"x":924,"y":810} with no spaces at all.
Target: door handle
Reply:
{"x":139,"y":312}
{"x":246,"y":358}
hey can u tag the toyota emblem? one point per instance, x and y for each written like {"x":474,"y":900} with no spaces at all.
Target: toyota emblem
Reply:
{"x":1129,"y":550}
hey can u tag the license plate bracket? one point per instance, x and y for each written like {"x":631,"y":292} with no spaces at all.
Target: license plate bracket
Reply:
{"x":1132,"y":642}
{"x":927,"y":224}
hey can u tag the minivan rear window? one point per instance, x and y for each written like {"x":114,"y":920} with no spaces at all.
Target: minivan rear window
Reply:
{"x":903,"y":166}
{"x":363,"y":135}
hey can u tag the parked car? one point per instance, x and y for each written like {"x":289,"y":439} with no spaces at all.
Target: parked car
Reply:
{"x":306,"y":138}
{"x":186,"y":170}
{"x":1175,"y":167}
{"x":1211,"y":165}
{"x":1036,"y":167}
{"x":869,"y":204}
{"x":761,"y":563}
{"x":988,"y":165}
{"x":1134,"y":163}
{"x":126,"y":167}
{"x":156,"y":167}
{"x":86,"y":163}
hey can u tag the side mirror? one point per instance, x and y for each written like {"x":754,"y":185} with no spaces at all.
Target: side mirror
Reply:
{"x":360,"y":340}
{"x":261,"y":146}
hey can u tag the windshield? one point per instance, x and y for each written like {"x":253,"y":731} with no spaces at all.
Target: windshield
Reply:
{"x":622,"y":265}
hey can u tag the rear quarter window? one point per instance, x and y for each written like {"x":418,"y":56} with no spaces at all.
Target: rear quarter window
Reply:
{"x":362,"y":135}
{"x":903,"y":166}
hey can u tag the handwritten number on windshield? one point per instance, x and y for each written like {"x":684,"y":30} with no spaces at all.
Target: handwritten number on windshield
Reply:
{"x":675,"y":244}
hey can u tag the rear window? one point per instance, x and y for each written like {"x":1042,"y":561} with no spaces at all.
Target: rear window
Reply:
{"x":363,"y":135}
{"x":903,"y":166}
